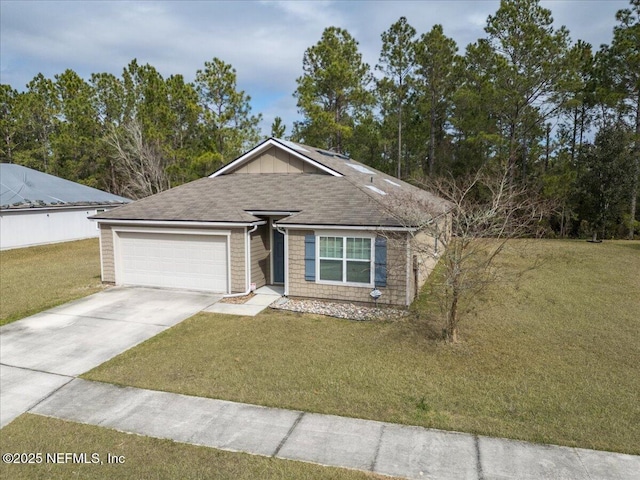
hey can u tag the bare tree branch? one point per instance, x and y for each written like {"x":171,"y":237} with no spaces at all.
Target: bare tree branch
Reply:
{"x":484,"y":212}
{"x":137,"y":162}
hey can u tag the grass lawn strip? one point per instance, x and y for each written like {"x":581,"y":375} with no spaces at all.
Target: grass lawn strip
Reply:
{"x":144,"y":457}
{"x":551,"y":359}
{"x":37,"y":278}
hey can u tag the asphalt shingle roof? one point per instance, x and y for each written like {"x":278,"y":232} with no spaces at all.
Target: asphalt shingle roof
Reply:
{"x":316,"y":199}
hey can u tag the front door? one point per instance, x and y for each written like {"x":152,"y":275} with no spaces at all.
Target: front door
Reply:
{"x":278,"y":257}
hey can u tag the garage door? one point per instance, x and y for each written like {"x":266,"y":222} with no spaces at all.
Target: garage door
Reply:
{"x":194,"y":262}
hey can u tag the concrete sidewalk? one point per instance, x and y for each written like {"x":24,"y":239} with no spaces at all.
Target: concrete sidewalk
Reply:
{"x":384,"y":448}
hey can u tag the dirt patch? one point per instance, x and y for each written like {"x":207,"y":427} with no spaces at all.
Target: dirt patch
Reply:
{"x":238,"y":300}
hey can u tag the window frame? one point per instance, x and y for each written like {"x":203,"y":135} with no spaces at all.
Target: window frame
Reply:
{"x":344,"y":236}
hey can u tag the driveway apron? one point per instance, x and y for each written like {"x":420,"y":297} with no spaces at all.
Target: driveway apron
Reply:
{"x":41,"y":353}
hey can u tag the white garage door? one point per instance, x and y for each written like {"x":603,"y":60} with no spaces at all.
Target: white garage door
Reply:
{"x":193,"y":262}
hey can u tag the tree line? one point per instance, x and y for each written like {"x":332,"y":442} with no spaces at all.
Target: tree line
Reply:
{"x":133,"y":135}
{"x":562,"y":117}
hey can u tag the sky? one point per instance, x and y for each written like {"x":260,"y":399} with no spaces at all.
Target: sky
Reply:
{"x":263,"y":40}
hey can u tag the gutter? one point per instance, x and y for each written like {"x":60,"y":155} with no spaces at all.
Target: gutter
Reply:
{"x":38,"y":208}
{"x":299,"y":226}
{"x":179,"y":223}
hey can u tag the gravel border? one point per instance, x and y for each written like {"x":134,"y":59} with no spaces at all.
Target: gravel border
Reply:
{"x":339,"y":310}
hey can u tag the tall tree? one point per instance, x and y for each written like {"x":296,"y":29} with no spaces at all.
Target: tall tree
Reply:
{"x":437,"y":62}
{"x":75,"y":142}
{"x":227,"y":110}
{"x":139,"y":163}
{"x":580,"y":99}
{"x":146,"y":100}
{"x":476,"y":128}
{"x":603,"y":182}
{"x":624,"y":70}
{"x":532,"y":74}
{"x":183,"y":141}
{"x":278,"y":128}
{"x":332,"y":92}
{"x":9,"y":122}
{"x":41,"y":114}
{"x":397,"y":61}
{"x":108,"y":98}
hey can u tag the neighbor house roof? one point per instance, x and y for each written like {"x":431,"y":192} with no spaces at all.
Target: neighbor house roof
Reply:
{"x":22,"y":187}
{"x":347,"y":193}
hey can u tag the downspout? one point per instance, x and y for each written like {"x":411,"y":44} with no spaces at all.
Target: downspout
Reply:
{"x":247,"y":270}
{"x":408,"y":277}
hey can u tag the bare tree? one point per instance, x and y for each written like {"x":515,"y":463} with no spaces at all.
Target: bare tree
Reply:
{"x":137,"y":163}
{"x":483,"y":212}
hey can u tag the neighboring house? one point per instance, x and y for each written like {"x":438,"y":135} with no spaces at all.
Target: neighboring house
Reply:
{"x":37,"y":208}
{"x":318,"y":223}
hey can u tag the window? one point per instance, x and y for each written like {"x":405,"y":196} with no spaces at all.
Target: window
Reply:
{"x":99,"y":210}
{"x":345,"y":259}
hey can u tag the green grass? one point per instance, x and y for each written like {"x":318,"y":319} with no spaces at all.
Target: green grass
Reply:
{"x":36,"y":278}
{"x":145,"y":457}
{"x":552,"y":359}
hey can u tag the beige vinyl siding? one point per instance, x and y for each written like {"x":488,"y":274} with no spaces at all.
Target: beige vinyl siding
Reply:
{"x":423,"y":261}
{"x":106,"y":254}
{"x":423,"y":247}
{"x":394,"y":293}
{"x":275,"y":160}
{"x":260,"y":258}
{"x":237,"y":248}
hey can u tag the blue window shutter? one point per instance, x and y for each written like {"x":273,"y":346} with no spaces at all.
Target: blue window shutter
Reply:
{"x":381,"y":262}
{"x":310,"y":258}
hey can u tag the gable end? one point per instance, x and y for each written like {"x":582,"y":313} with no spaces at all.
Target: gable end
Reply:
{"x":276,"y":160}
{"x":274,"y":156}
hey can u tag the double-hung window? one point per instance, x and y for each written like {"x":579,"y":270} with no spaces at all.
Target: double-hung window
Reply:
{"x":345,"y":259}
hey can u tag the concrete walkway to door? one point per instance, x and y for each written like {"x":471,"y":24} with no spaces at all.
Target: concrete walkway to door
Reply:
{"x":41,"y":353}
{"x":264,"y":296}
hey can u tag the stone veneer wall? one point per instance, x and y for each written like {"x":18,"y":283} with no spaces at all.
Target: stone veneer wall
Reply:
{"x":393,"y":294}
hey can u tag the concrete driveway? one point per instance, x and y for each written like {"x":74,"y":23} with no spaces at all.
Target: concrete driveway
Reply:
{"x":41,"y":353}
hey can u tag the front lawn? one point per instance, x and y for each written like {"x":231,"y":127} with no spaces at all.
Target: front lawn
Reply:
{"x":36,"y":278}
{"x":551,"y":359}
{"x":144,"y":457}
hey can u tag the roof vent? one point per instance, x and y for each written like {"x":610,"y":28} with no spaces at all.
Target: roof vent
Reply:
{"x":361,"y":169}
{"x":376,"y":189}
{"x":292,"y":145}
{"x":392,"y":182}
{"x":326,"y":153}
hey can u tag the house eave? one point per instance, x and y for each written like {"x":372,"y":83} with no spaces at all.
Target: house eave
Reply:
{"x":272,"y":212}
{"x":302,"y":226}
{"x":176,"y":223}
{"x":38,"y":208}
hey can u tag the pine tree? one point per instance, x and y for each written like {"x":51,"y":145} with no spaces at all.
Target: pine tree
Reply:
{"x":332,"y":93}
